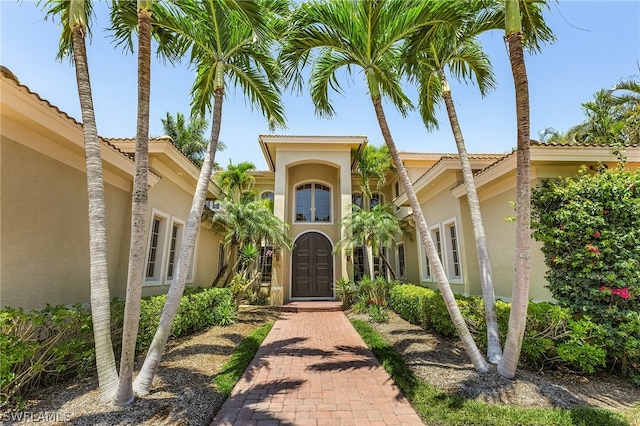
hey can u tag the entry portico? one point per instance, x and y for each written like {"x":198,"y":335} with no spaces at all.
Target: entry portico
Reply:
{"x":312,"y":191}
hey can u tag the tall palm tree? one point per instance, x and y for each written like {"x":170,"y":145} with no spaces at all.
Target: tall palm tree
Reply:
{"x":459,"y":53}
{"x":139,"y":209}
{"x":229,"y":41}
{"x":373,"y":229}
{"x":520,"y":293}
{"x":236,"y":179}
{"x":368,"y":35}
{"x":75,"y":18}
{"x":128,"y":18}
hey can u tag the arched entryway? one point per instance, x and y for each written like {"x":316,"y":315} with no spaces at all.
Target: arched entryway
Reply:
{"x":312,"y":267}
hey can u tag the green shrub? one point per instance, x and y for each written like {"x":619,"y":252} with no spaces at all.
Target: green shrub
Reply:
{"x":589,"y":226}
{"x":41,"y":347}
{"x":552,"y":337}
{"x":345,"y":290}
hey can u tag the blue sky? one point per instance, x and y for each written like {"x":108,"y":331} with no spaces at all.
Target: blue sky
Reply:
{"x":598,"y":44}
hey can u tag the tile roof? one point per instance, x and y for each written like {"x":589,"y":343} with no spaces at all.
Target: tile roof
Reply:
{"x":7,"y":73}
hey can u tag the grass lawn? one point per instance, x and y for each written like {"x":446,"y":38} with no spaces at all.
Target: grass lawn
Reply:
{"x":437,"y":408}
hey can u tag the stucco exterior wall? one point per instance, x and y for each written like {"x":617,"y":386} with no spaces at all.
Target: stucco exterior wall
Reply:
{"x":44,"y":239}
{"x":440,"y":207}
{"x":496,"y":208}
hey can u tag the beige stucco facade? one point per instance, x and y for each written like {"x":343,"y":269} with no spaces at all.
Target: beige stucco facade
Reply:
{"x":44,"y":232}
{"x":44,"y":256}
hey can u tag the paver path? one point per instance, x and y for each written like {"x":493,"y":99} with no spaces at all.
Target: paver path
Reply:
{"x":314,"y":369}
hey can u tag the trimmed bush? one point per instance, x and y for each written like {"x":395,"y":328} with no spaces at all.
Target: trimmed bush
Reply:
{"x":41,"y":347}
{"x":552,"y":337}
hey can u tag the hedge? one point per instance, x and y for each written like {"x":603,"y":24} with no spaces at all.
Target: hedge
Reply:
{"x":553,"y":336}
{"x":41,"y":347}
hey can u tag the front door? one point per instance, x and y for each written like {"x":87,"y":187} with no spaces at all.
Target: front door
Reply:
{"x":312,"y":266}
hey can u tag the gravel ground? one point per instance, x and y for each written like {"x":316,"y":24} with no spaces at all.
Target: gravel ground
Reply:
{"x":183,"y":393}
{"x":444,"y":364}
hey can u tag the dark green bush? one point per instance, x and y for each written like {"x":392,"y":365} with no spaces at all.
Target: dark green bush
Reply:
{"x":589,"y":226}
{"x":41,"y":347}
{"x":552,"y":337}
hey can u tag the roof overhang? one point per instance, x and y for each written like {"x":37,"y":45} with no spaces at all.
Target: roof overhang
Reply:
{"x":271,"y":143}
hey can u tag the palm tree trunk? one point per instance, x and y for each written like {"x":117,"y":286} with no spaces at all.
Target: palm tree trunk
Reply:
{"x":494,"y":352}
{"x":230,"y":272}
{"x":369,"y":253}
{"x":392,"y":272}
{"x":100,"y":298}
{"x":520,"y":294}
{"x":142,"y":384}
{"x":246,"y":288}
{"x":139,"y":210}
{"x":471,"y":348}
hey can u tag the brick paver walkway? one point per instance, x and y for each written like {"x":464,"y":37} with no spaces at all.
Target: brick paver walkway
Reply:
{"x":314,"y":369}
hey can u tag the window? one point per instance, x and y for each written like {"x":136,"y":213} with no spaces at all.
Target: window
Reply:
{"x":445,"y":239}
{"x":313,"y":203}
{"x":453,"y":254}
{"x":164,"y":246}
{"x":175,"y":245}
{"x":356,"y":199}
{"x":153,"y":247}
{"x":402,"y":271}
{"x":156,"y":247}
{"x":376,"y":198}
{"x":358,"y":263}
{"x":266,"y":263}
{"x":379,"y":266}
{"x":426,"y":268}
{"x":437,"y":241}
{"x":221,"y":257}
{"x":268,"y":195}
{"x":172,"y":250}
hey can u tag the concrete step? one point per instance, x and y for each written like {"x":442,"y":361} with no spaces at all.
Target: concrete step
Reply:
{"x":312,"y":306}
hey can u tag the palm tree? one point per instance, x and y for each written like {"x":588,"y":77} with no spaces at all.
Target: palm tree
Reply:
{"x":127,"y":18}
{"x":551,"y":135}
{"x":373,"y":229}
{"x":459,"y":53}
{"x":368,"y":35}
{"x":375,"y":163}
{"x":75,"y":17}
{"x":139,"y":209}
{"x":613,"y":116}
{"x":520,"y":293}
{"x":188,"y":136}
{"x":228,"y":41}
{"x":236,"y":180}
{"x":241,"y":223}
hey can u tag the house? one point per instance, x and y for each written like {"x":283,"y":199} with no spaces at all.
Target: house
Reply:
{"x":44,"y":231}
{"x":312,"y":181}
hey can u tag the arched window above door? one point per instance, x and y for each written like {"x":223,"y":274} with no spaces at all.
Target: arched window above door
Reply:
{"x":313,"y":203}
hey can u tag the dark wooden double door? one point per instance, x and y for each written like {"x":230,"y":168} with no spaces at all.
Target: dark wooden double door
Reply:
{"x":312,"y":265}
